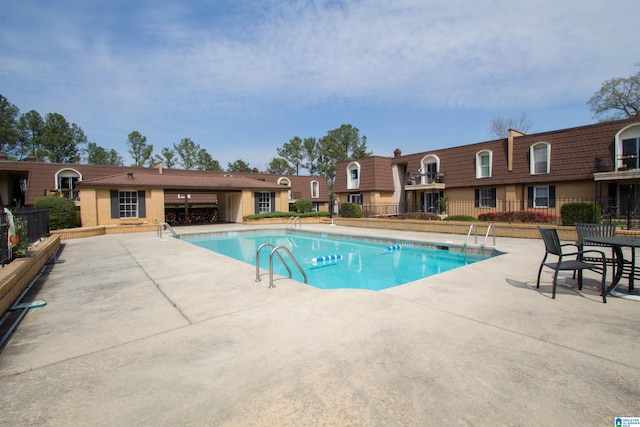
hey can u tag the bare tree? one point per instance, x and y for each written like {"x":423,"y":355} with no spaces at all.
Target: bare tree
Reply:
{"x":500,"y":126}
{"x":618,"y":98}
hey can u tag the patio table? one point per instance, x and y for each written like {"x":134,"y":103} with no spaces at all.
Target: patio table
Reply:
{"x":618,"y":243}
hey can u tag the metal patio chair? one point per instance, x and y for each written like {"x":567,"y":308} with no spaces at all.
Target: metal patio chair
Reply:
{"x":570,"y":261}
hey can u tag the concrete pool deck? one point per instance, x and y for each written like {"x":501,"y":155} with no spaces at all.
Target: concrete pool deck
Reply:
{"x":142,"y":330}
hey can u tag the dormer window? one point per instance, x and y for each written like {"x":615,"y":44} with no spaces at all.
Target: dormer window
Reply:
{"x":315,"y":190}
{"x":353,"y":176}
{"x":286,"y":182}
{"x":628,"y":148}
{"x":540,"y":156}
{"x":484,"y":160}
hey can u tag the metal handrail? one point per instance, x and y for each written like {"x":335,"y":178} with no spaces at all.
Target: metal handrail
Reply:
{"x":275,"y":251}
{"x":258,"y":261}
{"x":486,"y":236}
{"x":292,"y":220}
{"x":473,"y":227}
{"x":164,"y":224}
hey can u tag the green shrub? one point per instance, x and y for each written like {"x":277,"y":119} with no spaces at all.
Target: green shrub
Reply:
{"x":588,"y":212}
{"x":350,"y":210}
{"x":465,"y":218}
{"x":303,"y":205}
{"x":62,"y":211}
{"x":285,"y":215}
{"x":21,"y":249}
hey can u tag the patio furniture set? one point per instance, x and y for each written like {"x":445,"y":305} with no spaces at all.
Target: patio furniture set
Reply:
{"x":590,"y":253}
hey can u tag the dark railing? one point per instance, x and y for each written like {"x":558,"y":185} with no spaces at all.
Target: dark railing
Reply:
{"x":627,"y":216}
{"x":4,"y":239}
{"x":36,"y":223}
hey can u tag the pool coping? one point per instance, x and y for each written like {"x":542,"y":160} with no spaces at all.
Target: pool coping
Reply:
{"x":452,"y":247}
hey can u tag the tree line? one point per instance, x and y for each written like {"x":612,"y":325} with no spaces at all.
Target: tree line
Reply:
{"x":56,"y":140}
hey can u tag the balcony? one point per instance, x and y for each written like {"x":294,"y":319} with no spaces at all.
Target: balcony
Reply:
{"x":626,"y":169}
{"x":425,"y":181}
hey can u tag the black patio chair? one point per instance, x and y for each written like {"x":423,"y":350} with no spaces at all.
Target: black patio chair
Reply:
{"x":570,"y":261}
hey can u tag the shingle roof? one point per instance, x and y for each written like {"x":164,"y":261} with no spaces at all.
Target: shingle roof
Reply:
{"x":41,"y":177}
{"x":175,"y":181}
{"x":575,"y":152}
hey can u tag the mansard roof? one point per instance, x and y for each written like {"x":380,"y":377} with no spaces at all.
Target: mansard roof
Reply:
{"x":576,"y":153}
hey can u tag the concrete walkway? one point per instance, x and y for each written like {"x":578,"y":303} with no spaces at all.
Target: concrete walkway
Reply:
{"x":142,"y":330}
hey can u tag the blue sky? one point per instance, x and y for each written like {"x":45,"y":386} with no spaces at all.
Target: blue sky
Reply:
{"x":241,"y":78}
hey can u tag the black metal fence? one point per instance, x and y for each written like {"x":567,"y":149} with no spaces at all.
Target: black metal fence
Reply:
{"x":4,"y":239}
{"x":36,"y":223}
{"x":627,"y":216}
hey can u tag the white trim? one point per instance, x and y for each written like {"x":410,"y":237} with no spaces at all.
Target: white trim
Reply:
{"x":532,"y":161}
{"x":429,"y":158}
{"x":353,"y":183}
{"x":479,"y":155}
{"x":628,"y":132}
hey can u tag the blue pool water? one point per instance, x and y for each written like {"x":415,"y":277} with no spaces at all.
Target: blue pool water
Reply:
{"x":340,"y":262}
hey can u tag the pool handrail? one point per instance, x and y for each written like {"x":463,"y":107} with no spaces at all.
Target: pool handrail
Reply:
{"x":292,"y":221}
{"x":473,"y":227}
{"x":275,"y":251}
{"x":258,"y":261}
{"x":164,"y":224}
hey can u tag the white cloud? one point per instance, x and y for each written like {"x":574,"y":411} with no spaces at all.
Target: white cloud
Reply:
{"x":119,"y":63}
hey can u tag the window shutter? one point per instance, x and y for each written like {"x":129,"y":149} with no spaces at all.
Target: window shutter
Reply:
{"x":256,"y":202}
{"x":493,"y":197}
{"x":115,"y":204}
{"x":530,"y":197}
{"x":142,"y":205}
{"x":476,"y":201}
{"x":273,"y":202}
{"x":552,"y":196}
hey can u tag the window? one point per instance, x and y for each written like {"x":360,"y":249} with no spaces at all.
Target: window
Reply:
{"x":485,"y":198}
{"x":263,"y":202}
{"x":128,"y":204}
{"x":628,"y":147}
{"x":429,"y":167}
{"x":128,"y":201}
{"x":540,"y":155}
{"x":66,"y":181}
{"x":286,"y":182}
{"x":355,"y":198}
{"x":542,"y":197}
{"x":353,"y":174}
{"x":483,"y":164}
{"x":315,"y":192}
{"x":630,"y":153}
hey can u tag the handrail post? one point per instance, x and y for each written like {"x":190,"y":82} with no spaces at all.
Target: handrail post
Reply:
{"x":275,"y":251}
{"x":165,"y":224}
{"x":258,"y":260}
{"x":486,"y":236}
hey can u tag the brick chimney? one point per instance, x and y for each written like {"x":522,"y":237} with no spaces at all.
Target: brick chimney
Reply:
{"x":512,"y":134}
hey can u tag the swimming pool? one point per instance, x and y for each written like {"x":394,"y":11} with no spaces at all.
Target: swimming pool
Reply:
{"x":333,"y":261}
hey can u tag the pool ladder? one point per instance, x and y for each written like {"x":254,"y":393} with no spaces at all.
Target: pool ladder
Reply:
{"x":292,"y":221}
{"x":473,"y":227}
{"x":164,"y":224}
{"x":276,"y":251}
